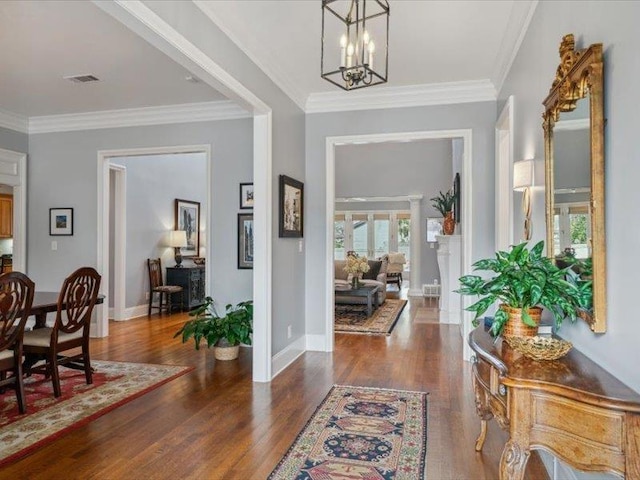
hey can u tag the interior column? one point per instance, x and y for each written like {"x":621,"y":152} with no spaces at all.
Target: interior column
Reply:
{"x":415,"y":289}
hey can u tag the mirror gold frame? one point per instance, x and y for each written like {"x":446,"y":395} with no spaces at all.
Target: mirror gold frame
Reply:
{"x":580,"y":75}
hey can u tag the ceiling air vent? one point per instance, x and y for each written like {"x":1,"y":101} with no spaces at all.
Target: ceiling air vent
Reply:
{"x":82,"y":78}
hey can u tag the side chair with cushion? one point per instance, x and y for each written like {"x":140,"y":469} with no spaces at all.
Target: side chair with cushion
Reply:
{"x":71,"y":328}
{"x":156,"y":285}
{"x":16,"y":297}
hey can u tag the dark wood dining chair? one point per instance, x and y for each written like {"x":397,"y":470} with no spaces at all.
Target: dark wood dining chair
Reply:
{"x":157,"y":286}
{"x":70,"y":330}
{"x":16,"y":296}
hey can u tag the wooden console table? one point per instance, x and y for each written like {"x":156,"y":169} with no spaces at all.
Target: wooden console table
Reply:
{"x":570,"y":407}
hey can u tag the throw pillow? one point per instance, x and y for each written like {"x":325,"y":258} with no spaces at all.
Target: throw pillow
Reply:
{"x":374,"y":270}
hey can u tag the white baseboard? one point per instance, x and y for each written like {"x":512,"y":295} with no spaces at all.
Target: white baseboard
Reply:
{"x":287,"y":356}
{"x":131,"y":312}
{"x":415,"y":292}
{"x":316,"y":343}
{"x":450,"y":317}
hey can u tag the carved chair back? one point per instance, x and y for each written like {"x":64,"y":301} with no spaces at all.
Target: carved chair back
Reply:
{"x":76,"y":300}
{"x":16,"y":297}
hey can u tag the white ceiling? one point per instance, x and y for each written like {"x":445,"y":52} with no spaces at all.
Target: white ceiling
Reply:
{"x":432,"y":43}
{"x":43,"y":41}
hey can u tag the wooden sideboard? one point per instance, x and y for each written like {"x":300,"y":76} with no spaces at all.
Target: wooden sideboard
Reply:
{"x":569,"y":407}
{"x":191,"y":279}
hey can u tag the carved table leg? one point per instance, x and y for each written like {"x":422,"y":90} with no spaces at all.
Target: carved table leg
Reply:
{"x":513,"y":461}
{"x":482,"y":436}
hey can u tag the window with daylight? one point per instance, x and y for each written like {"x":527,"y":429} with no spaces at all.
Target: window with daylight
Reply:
{"x":371,"y":234}
{"x":572,"y":228}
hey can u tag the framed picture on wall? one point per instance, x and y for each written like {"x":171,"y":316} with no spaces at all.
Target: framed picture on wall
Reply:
{"x":245,"y":240}
{"x":456,"y":196}
{"x":187,"y":218}
{"x":61,"y":221}
{"x":291,"y":207}
{"x":246,"y":196}
{"x":434,"y":227}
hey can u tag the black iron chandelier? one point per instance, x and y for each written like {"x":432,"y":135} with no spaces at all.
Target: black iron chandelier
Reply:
{"x":355,"y":42}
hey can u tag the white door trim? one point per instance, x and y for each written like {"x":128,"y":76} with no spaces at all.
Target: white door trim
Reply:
{"x":104,"y":165}
{"x":120,"y":241}
{"x":467,"y":213}
{"x":140,"y":19}
{"x":13,"y":172}
{"x":504,"y":177}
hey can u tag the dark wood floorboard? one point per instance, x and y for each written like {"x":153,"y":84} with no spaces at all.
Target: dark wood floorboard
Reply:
{"x":215,"y":423}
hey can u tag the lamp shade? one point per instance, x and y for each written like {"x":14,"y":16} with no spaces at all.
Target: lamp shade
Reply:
{"x":523,"y":175}
{"x":177,"y":238}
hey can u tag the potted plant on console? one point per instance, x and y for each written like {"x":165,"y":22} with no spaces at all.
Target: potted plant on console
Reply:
{"x":443,"y":203}
{"x":223,"y":333}
{"x":523,"y":281}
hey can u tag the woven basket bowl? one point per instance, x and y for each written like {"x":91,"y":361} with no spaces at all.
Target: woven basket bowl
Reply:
{"x":540,"y":348}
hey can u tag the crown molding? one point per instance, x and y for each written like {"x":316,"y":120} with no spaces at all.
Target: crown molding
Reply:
{"x":519,"y":20}
{"x":135,"y":117}
{"x":397,"y":97}
{"x":576,"y":124}
{"x":262,"y":57}
{"x":13,"y":121}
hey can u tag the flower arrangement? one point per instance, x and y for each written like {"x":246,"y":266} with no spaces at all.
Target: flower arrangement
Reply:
{"x":356,"y":266}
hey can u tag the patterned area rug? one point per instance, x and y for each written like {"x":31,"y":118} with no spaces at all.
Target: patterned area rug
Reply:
{"x":48,"y":418}
{"x":361,"y":433}
{"x":353,"y":318}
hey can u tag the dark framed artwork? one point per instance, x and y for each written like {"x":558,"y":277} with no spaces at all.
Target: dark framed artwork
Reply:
{"x":291,"y":207}
{"x":245,"y":240}
{"x":246,"y":196}
{"x":457,"y":204}
{"x":187,"y":218}
{"x":61,"y":221}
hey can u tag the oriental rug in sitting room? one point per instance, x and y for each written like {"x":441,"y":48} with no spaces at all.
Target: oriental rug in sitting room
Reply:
{"x":361,"y":433}
{"x":48,"y":418}
{"x":353,"y":318}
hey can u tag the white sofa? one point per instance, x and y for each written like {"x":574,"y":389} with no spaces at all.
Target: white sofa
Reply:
{"x":342,"y":281}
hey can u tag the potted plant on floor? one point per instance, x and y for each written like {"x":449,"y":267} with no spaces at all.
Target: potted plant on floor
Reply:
{"x":223,"y":333}
{"x":524,"y":281}
{"x":443,"y":203}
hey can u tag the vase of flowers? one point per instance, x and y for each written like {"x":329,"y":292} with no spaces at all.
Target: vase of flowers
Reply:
{"x":356,"y":266}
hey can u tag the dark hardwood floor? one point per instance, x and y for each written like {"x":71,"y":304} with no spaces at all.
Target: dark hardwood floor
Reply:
{"x":214,"y":423}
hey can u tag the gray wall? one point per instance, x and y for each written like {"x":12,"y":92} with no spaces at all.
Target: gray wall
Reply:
{"x":571,"y":159}
{"x":615,"y":25}
{"x":12,"y":140}
{"x":393,"y":169}
{"x":479,"y":117}
{"x":63,"y":172}
{"x":153,"y":184}
{"x":288,"y":149}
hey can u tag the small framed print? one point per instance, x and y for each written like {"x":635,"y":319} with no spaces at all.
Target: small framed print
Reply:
{"x":61,"y":221}
{"x":434,"y":228}
{"x":246,"y":196}
{"x":245,"y":240}
{"x":291,"y":207}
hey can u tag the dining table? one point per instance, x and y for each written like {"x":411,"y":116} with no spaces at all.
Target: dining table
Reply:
{"x":46,"y":302}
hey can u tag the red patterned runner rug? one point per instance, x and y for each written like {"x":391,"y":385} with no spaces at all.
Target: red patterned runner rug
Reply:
{"x":48,"y":418}
{"x":360,"y":433}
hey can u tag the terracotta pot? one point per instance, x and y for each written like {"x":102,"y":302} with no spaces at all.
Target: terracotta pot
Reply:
{"x":449,"y":224}
{"x":515,"y":327}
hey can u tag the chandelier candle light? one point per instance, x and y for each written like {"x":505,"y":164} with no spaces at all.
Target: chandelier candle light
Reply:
{"x":349,"y":28}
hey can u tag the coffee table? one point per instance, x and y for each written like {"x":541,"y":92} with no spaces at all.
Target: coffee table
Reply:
{"x":369,"y":291}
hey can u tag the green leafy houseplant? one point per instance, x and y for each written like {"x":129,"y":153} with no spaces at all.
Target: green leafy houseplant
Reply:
{"x":523,"y":279}
{"x":231,"y":329}
{"x":443,"y":202}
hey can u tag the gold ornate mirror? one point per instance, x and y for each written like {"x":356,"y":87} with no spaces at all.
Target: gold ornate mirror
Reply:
{"x":574,"y":172}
